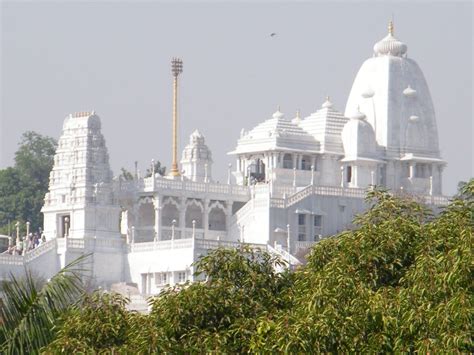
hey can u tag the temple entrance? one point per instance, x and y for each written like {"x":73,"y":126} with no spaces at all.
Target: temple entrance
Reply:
{"x":256,"y":171}
{"x":65,"y":225}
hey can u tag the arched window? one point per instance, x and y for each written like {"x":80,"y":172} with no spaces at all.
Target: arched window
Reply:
{"x":146,"y":214}
{"x":306,"y":162}
{"x":217,"y":218}
{"x":193,"y":212}
{"x":170,"y":212}
{"x":287,"y":161}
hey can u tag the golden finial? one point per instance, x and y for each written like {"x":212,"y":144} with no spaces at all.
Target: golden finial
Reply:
{"x":297,"y":113}
{"x":327,"y":98}
{"x":390,"y":27}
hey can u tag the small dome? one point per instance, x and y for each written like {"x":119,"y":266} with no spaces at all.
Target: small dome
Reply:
{"x":357,"y":115}
{"x":278,"y":114}
{"x":367,"y":94}
{"x":358,"y":137}
{"x":327,"y":103}
{"x":297,"y":118}
{"x":390,"y":45}
{"x":409,"y":91}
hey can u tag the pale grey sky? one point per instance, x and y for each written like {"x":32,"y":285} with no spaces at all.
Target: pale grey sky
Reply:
{"x":114,"y":57}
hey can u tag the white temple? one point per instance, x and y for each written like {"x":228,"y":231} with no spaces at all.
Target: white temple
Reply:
{"x":296,"y":181}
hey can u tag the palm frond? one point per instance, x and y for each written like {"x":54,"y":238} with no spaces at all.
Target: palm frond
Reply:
{"x":29,"y":312}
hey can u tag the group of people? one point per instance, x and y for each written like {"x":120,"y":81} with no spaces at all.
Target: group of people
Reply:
{"x":25,"y":244}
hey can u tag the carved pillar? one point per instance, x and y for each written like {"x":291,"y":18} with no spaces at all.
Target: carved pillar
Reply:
{"x":411,"y":173}
{"x":157,"y":205}
{"x":228,"y":216}
{"x":182,"y":217}
{"x":294,"y":156}
{"x":229,"y":173}
{"x":342,"y":175}
{"x":206,"y":218}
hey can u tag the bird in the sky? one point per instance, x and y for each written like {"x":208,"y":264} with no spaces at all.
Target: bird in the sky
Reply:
{"x":273,"y":34}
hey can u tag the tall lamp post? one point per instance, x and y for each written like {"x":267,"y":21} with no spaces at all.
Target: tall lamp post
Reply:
{"x":176,"y":69}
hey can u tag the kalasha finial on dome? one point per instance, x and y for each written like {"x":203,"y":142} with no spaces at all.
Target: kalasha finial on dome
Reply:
{"x":390,"y":27}
{"x":358,"y":115}
{"x":297,"y":119}
{"x":390,"y":45}
{"x":327,"y":103}
{"x":278,"y":114}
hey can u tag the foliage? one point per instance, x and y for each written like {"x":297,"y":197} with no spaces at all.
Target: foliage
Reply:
{"x":125,"y":175}
{"x":30,"y":309}
{"x":158,"y":169}
{"x":99,"y":322}
{"x":219,"y":313}
{"x":400,"y":281}
{"x":23,"y":186}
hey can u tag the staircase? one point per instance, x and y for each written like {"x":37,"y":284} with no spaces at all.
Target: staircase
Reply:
{"x":283,"y":254}
{"x":139,"y":304}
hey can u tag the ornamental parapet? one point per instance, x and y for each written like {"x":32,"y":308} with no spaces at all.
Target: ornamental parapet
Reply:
{"x":179,"y":187}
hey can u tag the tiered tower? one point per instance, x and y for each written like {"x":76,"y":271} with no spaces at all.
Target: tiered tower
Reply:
{"x":197,"y":159}
{"x":80,"y":201}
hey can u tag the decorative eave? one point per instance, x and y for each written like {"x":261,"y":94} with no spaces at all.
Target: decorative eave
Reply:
{"x":412,"y":157}
{"x":363,"y":159}
{"x":275,"y":149}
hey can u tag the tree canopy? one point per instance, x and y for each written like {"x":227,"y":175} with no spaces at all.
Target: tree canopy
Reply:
{"x":23,"y":186}
{"x":400,"y":281}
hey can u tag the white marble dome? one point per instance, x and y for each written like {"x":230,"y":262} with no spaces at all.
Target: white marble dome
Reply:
{"x":390,"y":88}
{"x":358,"y":138}
{"x":390,"y":45}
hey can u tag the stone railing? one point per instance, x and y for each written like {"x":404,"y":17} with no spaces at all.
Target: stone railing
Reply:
{"x":89,"y":243}
{"x":437,"y":200}
{"x":161,"y":245}
{"x":40,"y":249}
{"x":202,"y":244}
{"x":280,"y":251}
{"x":7,"y":259}
{"x":303,"y":193}
{"x":209,"y":244}
{"x":304,"y":244}
{"x":183,"y":185}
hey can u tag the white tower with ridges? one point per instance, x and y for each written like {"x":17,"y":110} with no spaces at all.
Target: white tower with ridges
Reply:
{"x":196,"y":161}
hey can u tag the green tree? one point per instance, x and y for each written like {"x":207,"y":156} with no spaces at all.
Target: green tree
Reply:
{"x":158,"y":169}
{"x":400,"y":281}
{"x":34,"y":159}
{"x":31,"y":308}
{"x":99,"y":322}
{"x":125,"y":175}
{"x":219,"y":314}
{"x":23,"y":186}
